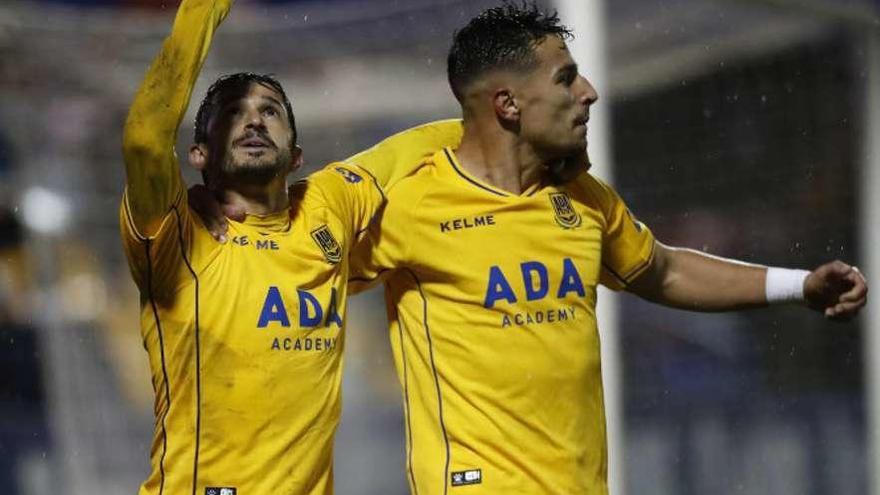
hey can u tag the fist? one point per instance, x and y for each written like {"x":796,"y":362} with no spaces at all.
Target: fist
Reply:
{"x":836,"y":289}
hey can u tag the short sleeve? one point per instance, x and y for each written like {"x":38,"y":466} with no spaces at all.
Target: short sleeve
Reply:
{"x":384,"y":246}
{"x":350,"y":193}
{"x":400,"y":155}
{"x":627,"y":243}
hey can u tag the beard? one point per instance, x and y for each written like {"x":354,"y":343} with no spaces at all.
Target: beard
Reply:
{"x":567,"y":163}
{"x":255,"y":170}
{"x":562,"y":171}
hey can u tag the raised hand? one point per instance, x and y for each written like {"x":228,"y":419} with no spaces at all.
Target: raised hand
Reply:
{"x":212,"y":212}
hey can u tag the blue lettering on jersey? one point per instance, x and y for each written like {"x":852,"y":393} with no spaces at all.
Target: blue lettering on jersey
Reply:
{"x":536,"y":283}
{"x":332,"y":314}
{"x":305,"y":301}
{"x":553,"y":315}
{"x":498,"y":288}
{"x":273,"y":309}
{"x":571,"y":280}
{"x":311,"y":314}
{"x":533,"y":267}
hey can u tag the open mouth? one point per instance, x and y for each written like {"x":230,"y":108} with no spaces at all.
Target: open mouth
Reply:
{"x":254,"y":143}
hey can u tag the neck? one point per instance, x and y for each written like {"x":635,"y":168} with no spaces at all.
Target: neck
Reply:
{"x":257,"y":199}
{"x":496,"y":156}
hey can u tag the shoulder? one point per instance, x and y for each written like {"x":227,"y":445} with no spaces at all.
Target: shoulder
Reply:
{"x":330,"y":184}
{"x":587,"y":187}
{"x":414,"y":187}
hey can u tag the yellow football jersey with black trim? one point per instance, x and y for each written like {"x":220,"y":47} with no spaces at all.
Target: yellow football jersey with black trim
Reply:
{"x":245,"y":338}
{"x":491,"y":300}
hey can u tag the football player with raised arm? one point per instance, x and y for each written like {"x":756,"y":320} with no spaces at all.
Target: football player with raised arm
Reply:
{"x":245,"y":337}
{"x":491,"y":256}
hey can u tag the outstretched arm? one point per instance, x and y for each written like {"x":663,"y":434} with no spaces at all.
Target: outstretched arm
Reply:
{"x":387,"y":162}
{"x":688,"y":279}
{"x":153,"y":175}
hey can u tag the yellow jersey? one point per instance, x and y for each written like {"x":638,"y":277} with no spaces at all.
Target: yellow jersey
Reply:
{"x":245,"y":340}
{"x":491,"y":300}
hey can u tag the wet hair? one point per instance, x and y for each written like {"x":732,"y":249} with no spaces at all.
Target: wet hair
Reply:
{"x":227,"y":87}
{"x":502,"y":37}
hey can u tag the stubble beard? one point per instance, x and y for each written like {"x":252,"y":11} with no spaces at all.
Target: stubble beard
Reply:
{"x":569,"y":165}
{"x":255,"y":170}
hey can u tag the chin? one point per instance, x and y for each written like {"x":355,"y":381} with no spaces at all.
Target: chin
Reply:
{"x":252,"y":170}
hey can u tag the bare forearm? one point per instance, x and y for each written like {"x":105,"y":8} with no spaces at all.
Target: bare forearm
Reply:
{"x":161,"y":102}
{"x":688,"y":279}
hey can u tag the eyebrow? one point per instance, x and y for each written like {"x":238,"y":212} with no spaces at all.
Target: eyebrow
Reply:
{"x":565,"y":69}
{"x":273,"y":100}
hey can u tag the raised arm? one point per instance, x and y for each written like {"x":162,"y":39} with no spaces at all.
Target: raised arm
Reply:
{"x":688,"y":279}
{"x":153,"y":175}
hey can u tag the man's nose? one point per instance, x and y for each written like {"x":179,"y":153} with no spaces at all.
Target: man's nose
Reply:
{"x":590,"y":95}
{"x":254,"y":118}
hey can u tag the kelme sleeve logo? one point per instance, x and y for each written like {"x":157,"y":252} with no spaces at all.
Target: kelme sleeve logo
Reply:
{"x":566,"y":216}
{"x":325,"y":240}
{"x":349,"y":176}
{"x":639,"y":225}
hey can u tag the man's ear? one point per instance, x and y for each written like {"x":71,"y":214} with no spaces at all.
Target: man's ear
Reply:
{"x":296,"y":158}
{"x":505,"y":105}
{"x":198,"y":156}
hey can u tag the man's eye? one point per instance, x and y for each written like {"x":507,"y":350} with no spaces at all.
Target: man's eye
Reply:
{"x":271,"y":112}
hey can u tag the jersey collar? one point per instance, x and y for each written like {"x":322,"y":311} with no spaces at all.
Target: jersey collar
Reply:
{"x":451,"y":166}
{"x":271,"y":223}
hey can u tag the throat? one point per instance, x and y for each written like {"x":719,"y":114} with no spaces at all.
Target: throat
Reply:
{"x":254,"y":200}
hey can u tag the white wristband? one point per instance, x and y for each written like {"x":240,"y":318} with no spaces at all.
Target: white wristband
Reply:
{"x":783,"y":285}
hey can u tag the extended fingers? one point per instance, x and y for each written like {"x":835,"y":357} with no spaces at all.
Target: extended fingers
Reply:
{"x":209,"y":210}
{"x":858,"y":287}
{"x":844,"y":310}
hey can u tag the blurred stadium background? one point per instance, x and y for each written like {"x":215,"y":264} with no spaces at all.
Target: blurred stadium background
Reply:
{"x":744,"y":128}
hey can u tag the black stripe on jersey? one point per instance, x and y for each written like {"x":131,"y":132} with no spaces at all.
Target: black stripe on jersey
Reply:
{"x":375,"y":180}
{"x":612,"y":272}
{"x":164,"y":369}
{"x":406,"y":409}
{"x":198,"y":363}
{"x":463,"y":176}
{"x":635,"y":271}
{"x":436,"y":378}
{"x":641,"y":266}
{"x":381,"y":193}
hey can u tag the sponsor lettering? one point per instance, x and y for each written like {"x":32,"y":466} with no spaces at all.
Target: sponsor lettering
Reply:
{"x":467,"y":223}
{"x":535,"y":283}
{"x":316,"y":344}
{"x":311,"y":313}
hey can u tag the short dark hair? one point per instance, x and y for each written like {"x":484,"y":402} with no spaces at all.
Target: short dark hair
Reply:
{"x":231,"y":84}
{"x":502,"y":37}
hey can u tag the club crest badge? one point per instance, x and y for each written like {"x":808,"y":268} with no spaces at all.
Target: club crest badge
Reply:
{"x":325,"y":240}
{"x":566,"y":216}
